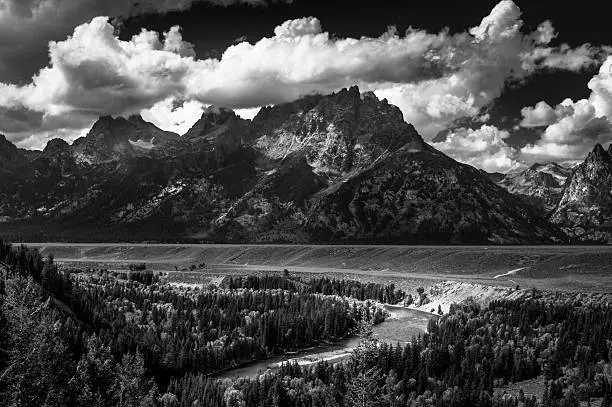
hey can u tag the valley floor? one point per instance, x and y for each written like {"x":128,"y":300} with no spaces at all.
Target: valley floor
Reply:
{"x":562,"y":268}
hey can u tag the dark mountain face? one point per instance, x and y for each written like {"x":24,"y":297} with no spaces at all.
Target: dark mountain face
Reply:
{"x":10,"y":155}
{"x":108,"y":140}
{"x":343,"y":167}
{"x":585,"y":208}
{"x":423,"y":196}
{"x":111,"y":139}
{"x":219,"y":133}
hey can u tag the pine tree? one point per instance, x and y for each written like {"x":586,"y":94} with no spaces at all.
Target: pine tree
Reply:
{"x":363,"y":390}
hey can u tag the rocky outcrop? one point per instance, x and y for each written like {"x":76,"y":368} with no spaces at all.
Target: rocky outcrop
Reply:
{"x":108,"y":140}
{"x":59,"y":154}
{"x":557,"y":171}
{"x":585,"y":209}
{"x":346,"y":131}
{"x":112,"y":139}
{"x":540,"y":185}
{"x":147,"y":134}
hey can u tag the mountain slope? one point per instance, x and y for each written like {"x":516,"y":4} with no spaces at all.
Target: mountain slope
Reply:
{"x":111,"y":139}
{"x":424,"y":196}
{"x":541,"y":184}
{"x":585,"y":209}
{"x":344,"y":167}
{"x":379,"y":182}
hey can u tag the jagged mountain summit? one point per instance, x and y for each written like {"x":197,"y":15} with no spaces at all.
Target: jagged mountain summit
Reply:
{"x":344,"y":167}
{"x":112,"y":139}
{"x":540,"y":184}
{"x":585,"y":208}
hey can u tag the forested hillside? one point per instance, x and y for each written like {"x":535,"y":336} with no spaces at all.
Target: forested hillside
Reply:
{"x":129,"y":339}
{"x":83,"y":339}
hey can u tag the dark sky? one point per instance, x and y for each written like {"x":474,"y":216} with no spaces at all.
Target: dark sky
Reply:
{"x":214,"y":28}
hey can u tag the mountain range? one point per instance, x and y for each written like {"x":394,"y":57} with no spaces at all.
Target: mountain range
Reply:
{"x":341,"y":168}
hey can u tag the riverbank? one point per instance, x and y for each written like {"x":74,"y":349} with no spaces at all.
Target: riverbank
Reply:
{"x":401,"y":327}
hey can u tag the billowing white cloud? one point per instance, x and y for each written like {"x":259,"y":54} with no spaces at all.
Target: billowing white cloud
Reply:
{"x":545,"y":33}
{"x":564,"y":57}
{"x":502,"y":23}
{"x":301,"y":59}
{"x":484,"y":148}
{"x":298,"y":28}
{"x":33,"y":23}
{"x":572,"y":136}
{"x":94,"y":73}
{"x":601,"y":89}
{"x":435,"y":78}
{"x":572,"y":128}
{"x":542,"y":114}
{"x":497,"y":52}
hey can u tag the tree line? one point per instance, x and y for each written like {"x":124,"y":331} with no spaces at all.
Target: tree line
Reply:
{"x":384,"y":293}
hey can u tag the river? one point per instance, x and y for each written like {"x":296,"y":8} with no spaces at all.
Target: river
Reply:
{"x":401,"y":326}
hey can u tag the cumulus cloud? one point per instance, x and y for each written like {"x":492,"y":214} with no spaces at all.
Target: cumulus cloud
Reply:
{"x":542,"y":114}
{"x":572,"y":128}
{"x":495,"y":52}
{"x":93,"y":72}
{"x":33,"y":23}
{"x":545,"y":33}
{"x":298,"y":28}
{"x":502,"y":23}
{"x":564,"y":57}
{"x":601,"y":89}
{"x":435,"y":78}
{"x":572,"y":135}
{"x":484,"y":148}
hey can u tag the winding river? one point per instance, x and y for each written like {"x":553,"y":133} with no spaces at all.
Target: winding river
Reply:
{"x":401,"y":326}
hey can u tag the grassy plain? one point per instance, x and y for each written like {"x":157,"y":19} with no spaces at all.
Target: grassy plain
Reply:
{"x":563,"y":268}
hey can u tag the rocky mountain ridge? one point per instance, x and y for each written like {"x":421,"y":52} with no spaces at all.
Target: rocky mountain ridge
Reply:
{"x":584,"y":210}
{"x":344,"y":167}
{"x":540,"y":185}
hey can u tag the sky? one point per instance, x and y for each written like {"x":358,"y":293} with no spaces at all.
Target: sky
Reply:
{"x":495,"y":84}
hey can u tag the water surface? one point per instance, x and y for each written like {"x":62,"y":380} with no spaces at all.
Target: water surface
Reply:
{"x":400,"y":327}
